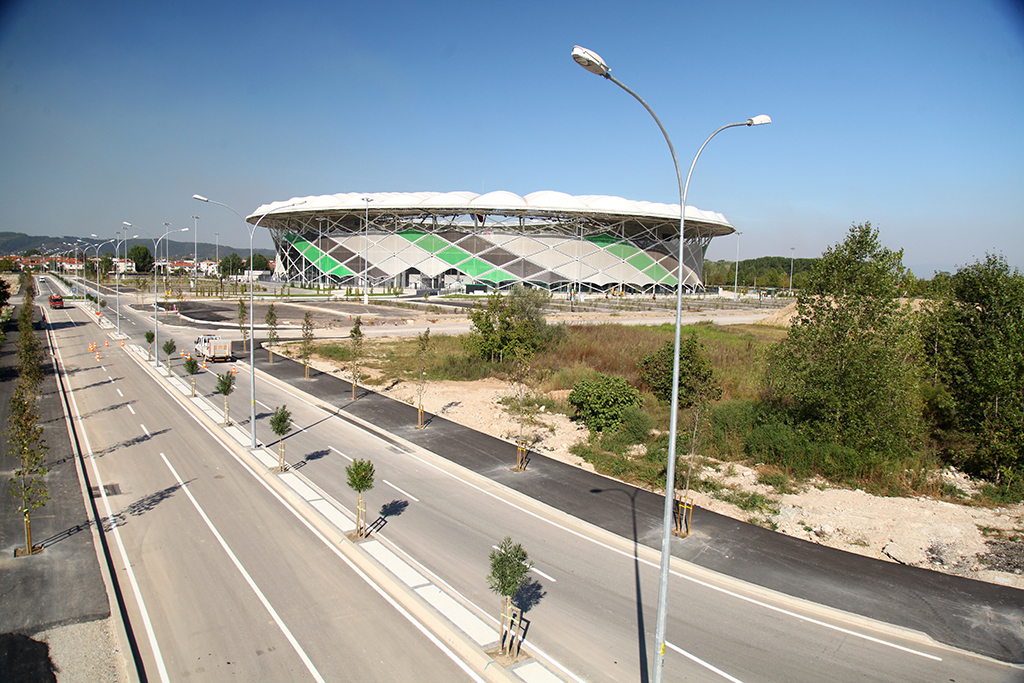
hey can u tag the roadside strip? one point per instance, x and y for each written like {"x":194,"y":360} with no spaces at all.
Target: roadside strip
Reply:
{"x":330,"y":522}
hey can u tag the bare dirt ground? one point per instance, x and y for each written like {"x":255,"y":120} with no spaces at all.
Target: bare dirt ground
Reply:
{"x":986,"y":544}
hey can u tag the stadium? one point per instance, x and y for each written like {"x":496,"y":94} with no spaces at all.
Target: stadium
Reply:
{"x":467,"y":241}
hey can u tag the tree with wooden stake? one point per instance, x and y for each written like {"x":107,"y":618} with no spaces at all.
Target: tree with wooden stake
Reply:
{"x":169,"y":348}
{"x":243,"y":317}
{"x":271,"y":320}
{"x":24,"y":435}
{"x":306,"y":346}
{"x":518,"y":378}
{"x":422,"y":352}
{"x":192,"y":367}
{"x":509,"y":566}
{"x":225,"y":385}
{"x":149,"y":343}
{"x":360,"y":479}
{"x":281,"y":424}
{"x":356,"y":335}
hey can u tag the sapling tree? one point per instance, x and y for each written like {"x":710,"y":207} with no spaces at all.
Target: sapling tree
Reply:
{"x":243,"y":317}
{"x":192,"y":367}
{"x":509,"y":566}
{"x":226,"y":385}
{"x":24,"y":436}
{"x":281,"y":424}
{"x":422,"y":353}
{"x":360,"y":479}
{"x":306,"y":346}
{"x":169,"y":348}
{"x":150,"y":336}
{"x":271,"y":321}
{"x":356,"y":336}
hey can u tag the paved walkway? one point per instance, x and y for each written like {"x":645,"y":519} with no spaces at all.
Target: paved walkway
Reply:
{"x":972,"y":615}
{"x":62,"y":586}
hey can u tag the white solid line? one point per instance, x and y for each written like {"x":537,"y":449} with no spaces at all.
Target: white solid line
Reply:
{"x":316,"y":532}
{"x":127,"y":565}
{"x":725,"y":591}
{"x":622,"y":552}
{"x":131,"y":409}
{"x":535,"y":570}
{"x":408,"y":495}
{"x":700,"y":661}
{"x":341,"y":454}
{"x":248,"y":579}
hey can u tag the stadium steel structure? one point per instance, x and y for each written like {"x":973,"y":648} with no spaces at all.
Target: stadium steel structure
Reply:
{"x":435,"y":240}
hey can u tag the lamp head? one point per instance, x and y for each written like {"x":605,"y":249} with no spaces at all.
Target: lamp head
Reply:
{"x":590,"y":60}
{"x":200,"y":198}
{"x":759,"y":120}
{"x":126,"y":224}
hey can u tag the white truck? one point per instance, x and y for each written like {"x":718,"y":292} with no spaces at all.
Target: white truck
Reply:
{"x":213,"y":348}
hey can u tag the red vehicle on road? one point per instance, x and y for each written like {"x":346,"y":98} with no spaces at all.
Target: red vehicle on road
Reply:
{"x":56,"y":301}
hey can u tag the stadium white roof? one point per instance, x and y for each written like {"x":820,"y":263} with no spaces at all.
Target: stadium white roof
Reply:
{"x":543,"y":204}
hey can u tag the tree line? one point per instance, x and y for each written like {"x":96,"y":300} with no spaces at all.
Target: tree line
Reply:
{"x":868,"y":384}
{"x":24,"y":433}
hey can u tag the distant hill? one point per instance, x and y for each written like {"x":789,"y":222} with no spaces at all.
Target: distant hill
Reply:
{"x":17,"y":243}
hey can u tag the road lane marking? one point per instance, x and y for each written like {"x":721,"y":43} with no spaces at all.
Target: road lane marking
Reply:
{"x":692,"y":579}
{"x":110,"y":378}
{"x":115,"y":529}
{"x":145,"y":430}
{"x":340,"y":453}
{"x":700,"y":661}
{"x":407,"y":495}
{"x":119,"y":393}
{"x":533,"y":569}
{"x":131,"y":409}
{"x":248,"y":579}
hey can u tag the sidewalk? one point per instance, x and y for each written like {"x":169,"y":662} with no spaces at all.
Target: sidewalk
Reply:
{"x":972,"y":615}
{"x":58,"y":597}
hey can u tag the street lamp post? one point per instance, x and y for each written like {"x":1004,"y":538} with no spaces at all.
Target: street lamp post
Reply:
{"x":252,"y":340}
{"x":156,"y":319}
{"x":117,"y":278}
{"x":366,"y":253}
{"x":97,"y":247}
{"x":320,"y":246}
{"x":736,"y":282}
{"x":195,"y":252}
{"x":593,"y":63}
{"x":792,"y":251}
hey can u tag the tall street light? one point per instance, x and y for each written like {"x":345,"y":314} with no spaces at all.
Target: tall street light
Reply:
{"x":736,"y":283}
{"x":366,"y":253}
{"x":320,"y":245}
{"x":252,"y":339}
{"x":97,"y":246}
{"x":117,"y":274}
{"x":156,"y":317}
{"x":195,"y":252}
{"x":792,"y":251}
{"x":593,"y":63}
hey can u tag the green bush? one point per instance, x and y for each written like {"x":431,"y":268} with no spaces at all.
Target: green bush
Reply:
{"x":600,"y":400}
{"x":636,"y":425}
{"x":696,"y":376}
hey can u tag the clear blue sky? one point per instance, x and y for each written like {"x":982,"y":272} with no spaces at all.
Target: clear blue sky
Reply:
{"x":906,"y":114}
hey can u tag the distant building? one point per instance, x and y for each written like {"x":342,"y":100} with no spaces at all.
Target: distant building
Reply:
{"x":432,"y":240}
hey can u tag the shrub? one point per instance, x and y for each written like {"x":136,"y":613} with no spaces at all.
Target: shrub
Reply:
{"x":696,"y":376}
{"x":600,"y":400}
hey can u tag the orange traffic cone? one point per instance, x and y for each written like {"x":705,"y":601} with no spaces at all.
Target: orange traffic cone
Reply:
{"x":106,"y":344}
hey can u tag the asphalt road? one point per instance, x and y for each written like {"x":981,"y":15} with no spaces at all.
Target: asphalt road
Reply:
{"x":591,"y":602}
{"x":225,"y":579}
{"x":592,"y":598}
